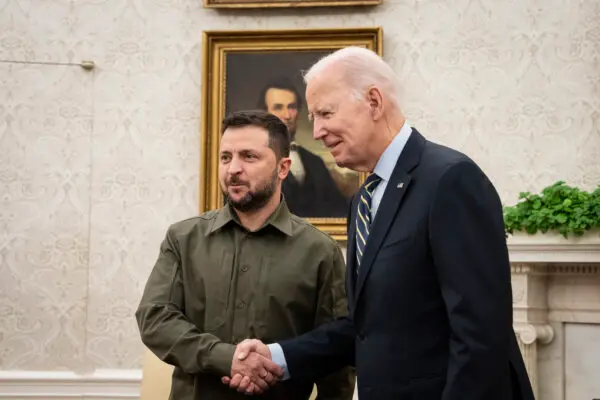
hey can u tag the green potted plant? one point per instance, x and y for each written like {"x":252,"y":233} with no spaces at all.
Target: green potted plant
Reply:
{"x":559,"y":210}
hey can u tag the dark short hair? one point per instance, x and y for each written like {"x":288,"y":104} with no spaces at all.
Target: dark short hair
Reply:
{"x":280,"y":83}
{"x":279,"y":138}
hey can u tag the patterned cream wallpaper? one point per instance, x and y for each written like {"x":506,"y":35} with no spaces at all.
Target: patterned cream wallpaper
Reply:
{"x":94,"y":165}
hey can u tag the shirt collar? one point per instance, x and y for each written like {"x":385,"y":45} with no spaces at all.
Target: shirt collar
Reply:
{"x":281,"y":219}
{"x":387,"y":162}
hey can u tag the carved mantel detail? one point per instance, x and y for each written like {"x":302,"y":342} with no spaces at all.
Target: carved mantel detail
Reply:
{"x":573,"y":269}
{"x":555,"y":269}
{"x":528,"y":334}
{"x":537,"y":260}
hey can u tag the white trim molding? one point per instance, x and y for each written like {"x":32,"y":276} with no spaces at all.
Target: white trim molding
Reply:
{"x":111,"y":384}
{"x":554,"y":248}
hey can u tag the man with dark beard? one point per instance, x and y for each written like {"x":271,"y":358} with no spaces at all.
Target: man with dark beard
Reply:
{"x":248,"y":269}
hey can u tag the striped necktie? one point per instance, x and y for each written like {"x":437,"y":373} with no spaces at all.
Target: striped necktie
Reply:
{"x":363,"y":217}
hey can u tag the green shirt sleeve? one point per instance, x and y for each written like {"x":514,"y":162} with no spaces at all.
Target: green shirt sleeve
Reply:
{"x":163,"y":326}
{"x":332,"y":304}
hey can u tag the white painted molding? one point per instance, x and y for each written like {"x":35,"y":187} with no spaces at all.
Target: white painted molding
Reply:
{"x":529,"y":333}
{"x":58,"y":385}
{"x":554,"y":248}
{"x":574,"y":269}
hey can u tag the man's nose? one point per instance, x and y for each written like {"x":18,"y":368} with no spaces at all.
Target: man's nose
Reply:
{"x":318,"y":131}
{"x":235,"y":166}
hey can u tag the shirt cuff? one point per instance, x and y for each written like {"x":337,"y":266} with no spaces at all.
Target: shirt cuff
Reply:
{"x":221,"y":358}
{"x":278,"y":358}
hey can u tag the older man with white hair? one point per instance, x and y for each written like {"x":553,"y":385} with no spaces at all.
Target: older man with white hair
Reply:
{"x":428,"y":275}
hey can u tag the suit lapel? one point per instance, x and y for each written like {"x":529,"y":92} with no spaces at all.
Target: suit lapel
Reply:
{"x":351,"y":254}
{"x":389,"y":206}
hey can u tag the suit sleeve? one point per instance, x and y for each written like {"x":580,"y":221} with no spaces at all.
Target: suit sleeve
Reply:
{"x":325,"y":350}
{"x":471,"y":259}
{"x":318,"y":353}
{"x":164,"y":328}
{"x":332,"y":304}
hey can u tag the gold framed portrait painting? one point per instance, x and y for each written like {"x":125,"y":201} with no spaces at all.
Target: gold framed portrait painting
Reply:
{"x":245,"y":70}
{"x":287,"y":3}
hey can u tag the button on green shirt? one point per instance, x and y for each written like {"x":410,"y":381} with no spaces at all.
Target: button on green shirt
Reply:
{"x":215,"y":283}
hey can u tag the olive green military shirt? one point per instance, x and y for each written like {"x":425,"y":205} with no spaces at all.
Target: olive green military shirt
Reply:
{"x":215,"y":283}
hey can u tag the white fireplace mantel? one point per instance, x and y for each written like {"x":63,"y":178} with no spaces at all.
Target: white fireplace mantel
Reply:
{"x":549,"y":248}
{"x":556,"y":286}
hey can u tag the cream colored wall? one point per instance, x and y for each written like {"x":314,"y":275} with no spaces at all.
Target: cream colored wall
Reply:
{"x":94,"y":165}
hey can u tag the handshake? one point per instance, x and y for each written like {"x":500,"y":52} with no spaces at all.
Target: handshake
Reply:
{"x":252,"y":370}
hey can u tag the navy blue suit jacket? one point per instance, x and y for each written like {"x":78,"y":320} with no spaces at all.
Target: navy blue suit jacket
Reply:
{"x":430,"y":312}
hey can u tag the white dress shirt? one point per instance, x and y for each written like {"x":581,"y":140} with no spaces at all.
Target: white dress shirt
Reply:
{"x":386,"y":164}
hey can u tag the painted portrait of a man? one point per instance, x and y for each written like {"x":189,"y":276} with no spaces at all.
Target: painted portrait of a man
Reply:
{"x":315,"y":187}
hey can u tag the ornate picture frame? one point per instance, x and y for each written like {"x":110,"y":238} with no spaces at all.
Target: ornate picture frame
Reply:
{"x":247,"y":63}
{"x":287,"y":3}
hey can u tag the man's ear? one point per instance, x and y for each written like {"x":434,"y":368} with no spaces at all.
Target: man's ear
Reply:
{"x":375,"y":100}
{"x":284,"y":167}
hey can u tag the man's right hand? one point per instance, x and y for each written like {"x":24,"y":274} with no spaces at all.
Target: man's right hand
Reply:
{"x":252,"y":370}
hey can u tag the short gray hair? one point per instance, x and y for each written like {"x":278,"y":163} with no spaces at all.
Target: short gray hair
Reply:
{"x":361,"y":68}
